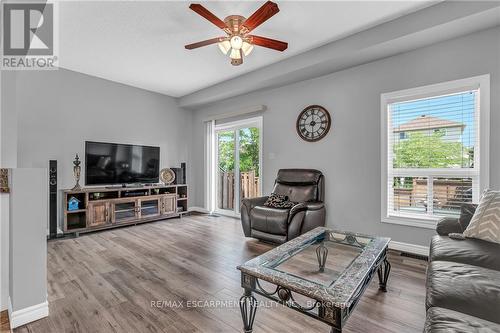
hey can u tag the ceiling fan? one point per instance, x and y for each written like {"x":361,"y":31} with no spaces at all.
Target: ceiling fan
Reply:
{"x":239,"y":42}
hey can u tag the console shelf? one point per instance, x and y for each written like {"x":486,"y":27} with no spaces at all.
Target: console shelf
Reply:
{"x":106,"y":207}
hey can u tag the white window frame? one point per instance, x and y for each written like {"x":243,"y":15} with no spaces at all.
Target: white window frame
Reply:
{"x":481,"y":149}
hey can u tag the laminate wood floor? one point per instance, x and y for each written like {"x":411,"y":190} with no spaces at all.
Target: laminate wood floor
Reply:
{"x":4,"y":322}
{"x":110,"y":281}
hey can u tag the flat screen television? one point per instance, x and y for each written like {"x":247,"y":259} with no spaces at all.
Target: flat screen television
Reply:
{"x":114,"y":163}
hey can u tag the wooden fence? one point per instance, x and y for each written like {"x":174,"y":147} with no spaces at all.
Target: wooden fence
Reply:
{"x":249,"y":188}
{"x":448,"y":194}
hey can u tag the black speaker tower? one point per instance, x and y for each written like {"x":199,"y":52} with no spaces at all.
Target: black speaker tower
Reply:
{"x":52,"y":198}
{"x":183,"y":167}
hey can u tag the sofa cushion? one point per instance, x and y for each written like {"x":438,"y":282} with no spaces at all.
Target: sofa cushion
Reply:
{"x":485,"y":223}
{"x":298,"y":176}
{"x":469,"y":251}
{"x":270,"y":220}
{"x":297,"y":193}
{"x":467,"y":211}
{"x":440,"y":320}
{"x":267,"y":237}
{"x":464,"y":288}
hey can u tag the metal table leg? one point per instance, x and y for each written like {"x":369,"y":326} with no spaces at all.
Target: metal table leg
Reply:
{"x":383,"y":274}
{"x":248,"y":307}
{"x":321,"y":254}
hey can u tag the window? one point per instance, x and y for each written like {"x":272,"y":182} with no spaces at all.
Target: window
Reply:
{"x":435,"y":150}
{"x":441,"y":131}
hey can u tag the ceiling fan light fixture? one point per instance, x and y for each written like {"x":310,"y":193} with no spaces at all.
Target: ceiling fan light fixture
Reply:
{"x":224,"y":46}
{"x":236,"y":42}
{"x":235,"y":54}
{"x":246,"y":48}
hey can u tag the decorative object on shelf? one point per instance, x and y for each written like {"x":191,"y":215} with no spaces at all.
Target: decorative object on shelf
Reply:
{"x":96,"y":195}
{"x":313,"y":123}
{"x":76,"y":173}
{"x":4,"y":180}
{"x":167,"y":176}
{"x":73,"y":204}
{"x":238,"y":42}
{"x":156,"y":191}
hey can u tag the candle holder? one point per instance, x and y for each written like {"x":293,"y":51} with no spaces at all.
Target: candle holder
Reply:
{"x":76,"y":173}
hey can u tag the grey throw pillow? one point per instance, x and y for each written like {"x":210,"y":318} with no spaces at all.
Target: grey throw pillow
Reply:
{"x":485,"y":223}
{"x":466,"y":213}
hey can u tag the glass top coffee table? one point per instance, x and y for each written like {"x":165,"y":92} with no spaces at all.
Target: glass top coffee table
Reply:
{"x":322,"y":273}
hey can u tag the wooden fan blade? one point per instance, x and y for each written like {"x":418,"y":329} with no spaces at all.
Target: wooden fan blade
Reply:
{"x":265,"y":12}
{"x":204,"y":43}
{"x":268,"y":42}
{"x":208,"y":15}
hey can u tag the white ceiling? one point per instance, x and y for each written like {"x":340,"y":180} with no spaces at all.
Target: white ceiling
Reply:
{"x":142,"y":43}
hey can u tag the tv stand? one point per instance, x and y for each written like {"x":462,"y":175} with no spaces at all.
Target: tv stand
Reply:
{"x":108,"y":207}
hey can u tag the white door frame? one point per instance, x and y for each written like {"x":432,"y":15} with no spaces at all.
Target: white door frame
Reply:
{"x":235,"y":126}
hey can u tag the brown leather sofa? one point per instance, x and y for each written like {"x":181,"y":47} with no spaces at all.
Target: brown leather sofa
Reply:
{"x":463,"y":282}
{"x":277,"y":225}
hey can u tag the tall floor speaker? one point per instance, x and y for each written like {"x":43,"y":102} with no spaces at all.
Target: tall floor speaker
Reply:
{"x":52,"y":198}
{"x":183,"y":167}
{"x":180,"y":174}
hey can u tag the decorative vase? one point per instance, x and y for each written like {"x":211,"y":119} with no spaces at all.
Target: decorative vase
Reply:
{"x":76,"y":173}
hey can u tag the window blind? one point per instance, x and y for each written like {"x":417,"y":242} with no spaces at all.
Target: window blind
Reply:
{"x":432,"y":154}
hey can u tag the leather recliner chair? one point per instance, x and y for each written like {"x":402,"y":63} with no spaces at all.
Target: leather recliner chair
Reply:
{"x":278,"y":225}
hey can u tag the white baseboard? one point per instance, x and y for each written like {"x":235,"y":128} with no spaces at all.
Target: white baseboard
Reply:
{"x":409,"y":248}
{"x":198,"y":209}
{"x":27,"y":315}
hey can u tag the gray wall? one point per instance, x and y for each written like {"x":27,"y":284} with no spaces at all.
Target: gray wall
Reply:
{"x":59,"y":110}
{"x":8,"y":120}
{"x":8,"y":159}
{"x":350,"y":154}
{"x":28,"y":244}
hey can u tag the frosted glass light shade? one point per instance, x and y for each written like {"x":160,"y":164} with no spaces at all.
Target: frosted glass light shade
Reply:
{"x":235,"y":54}
{"x":236,"y":42}
{"x":224,"y":46}
{"x":246,"y":48}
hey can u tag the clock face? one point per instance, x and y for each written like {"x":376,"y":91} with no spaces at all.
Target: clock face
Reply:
{"x":167,"y":176}
{"x":313,"y":123}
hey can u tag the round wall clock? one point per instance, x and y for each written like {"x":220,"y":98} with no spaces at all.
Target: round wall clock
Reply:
{"x":167,"y":176}
{"x":313,"y":123}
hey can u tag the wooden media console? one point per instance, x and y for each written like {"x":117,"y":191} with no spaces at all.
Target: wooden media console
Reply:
{"x":105,"y":207}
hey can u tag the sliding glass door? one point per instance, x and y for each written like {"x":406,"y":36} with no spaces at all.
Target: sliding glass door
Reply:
{"x":238,"y":164}
{"x":226,"y":158}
